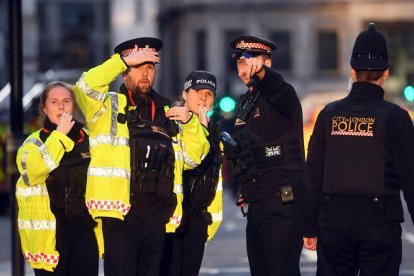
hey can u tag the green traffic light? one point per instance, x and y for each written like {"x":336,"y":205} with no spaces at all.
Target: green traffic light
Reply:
{"x":227,"y":104}
{"x":409,"y":93}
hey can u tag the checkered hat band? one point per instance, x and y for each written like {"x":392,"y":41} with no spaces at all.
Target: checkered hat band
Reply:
{"x":252,"y":45}
{"x":126,"y":52}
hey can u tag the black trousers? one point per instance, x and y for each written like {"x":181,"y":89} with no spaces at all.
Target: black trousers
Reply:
{"x":133,"y":247}
{"x":184,"y":249}
{"x":375,"y":250}
{"x":78,"y":252}
{"x":274,"y":243}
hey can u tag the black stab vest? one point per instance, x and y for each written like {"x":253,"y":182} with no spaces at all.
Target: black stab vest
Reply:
{"x":357,"y":160}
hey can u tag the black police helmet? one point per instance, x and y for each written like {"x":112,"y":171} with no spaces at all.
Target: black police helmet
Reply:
{"x":370,"y":51}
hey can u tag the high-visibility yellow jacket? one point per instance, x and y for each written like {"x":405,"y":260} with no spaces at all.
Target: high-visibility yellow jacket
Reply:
{"x":108,"y":187}
{"x":36,"y":222}
{"x":216,"y":206}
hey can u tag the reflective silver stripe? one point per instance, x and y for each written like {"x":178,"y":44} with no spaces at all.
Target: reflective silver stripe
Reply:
{"x":96,"y":116}
{"x":108,"y":139}
{"x":84,"y":87}
{"x":217,"y":216}
{"x":36,"y":224}
{"x":35,"y":141}
{"x":109,"y":172}
{"x":219,"y":186}
{"x":178,"y":188}
{"x":114,"y":112}
{"x":47,"y":158}
{"x":189,"y":161}
{"x":37,"y":190}
{"x":178,"y":155}
{"x":24,"y":168}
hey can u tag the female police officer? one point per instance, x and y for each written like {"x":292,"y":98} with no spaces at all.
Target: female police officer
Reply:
{"x":56,"y":231}
{"x":202,"y":189}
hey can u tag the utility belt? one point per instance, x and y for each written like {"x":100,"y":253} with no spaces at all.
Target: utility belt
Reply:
{"x":285,"y":193}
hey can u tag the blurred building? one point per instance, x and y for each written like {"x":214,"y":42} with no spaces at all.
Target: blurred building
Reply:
{"x":62,"y":38}
{"x":314,"y":37}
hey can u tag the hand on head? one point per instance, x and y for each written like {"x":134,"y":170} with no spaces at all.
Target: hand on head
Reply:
{"x":66,"y":123}
{"x":137,"y":57}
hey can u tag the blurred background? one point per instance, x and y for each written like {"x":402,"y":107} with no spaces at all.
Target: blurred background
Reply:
{"x":63,"y":38}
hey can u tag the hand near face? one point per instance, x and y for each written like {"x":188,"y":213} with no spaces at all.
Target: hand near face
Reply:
{"x":65,"y":124}
{"x":179,"y":113}
{"x":202,"y":115}
{"x":138,"y":57}
{"x":250,"y":67}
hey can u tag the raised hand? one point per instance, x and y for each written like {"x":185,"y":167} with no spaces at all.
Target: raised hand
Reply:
{"x":202,"y":115}
{"x":65,"y":124}
{"x":137,"y":57}
{"x":178,"y":113}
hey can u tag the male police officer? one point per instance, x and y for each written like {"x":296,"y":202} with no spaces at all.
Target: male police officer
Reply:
{"x":360,"y":156}
{"x":268,"y":159}
{"x":136,"y":158}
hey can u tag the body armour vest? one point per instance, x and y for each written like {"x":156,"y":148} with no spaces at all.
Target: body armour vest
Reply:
{"x":357,"y":159}
{"x":200,"y":183}
{"x":152,"y":156}
{"x":253,"y":155}
{"x":67,"y":183}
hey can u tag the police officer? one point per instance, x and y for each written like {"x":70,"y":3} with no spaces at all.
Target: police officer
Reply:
{"x":268,"y":159}
{"x":202,"y":186}
{"x":57,"y":233}
{"x":136,"y":157}
{"x":360,"y":156}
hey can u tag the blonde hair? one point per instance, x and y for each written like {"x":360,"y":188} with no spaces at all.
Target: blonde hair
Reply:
{"x":77,"y":115}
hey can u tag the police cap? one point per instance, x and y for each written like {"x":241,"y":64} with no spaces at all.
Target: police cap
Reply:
{"x":250,"y":46}
{"x":370,"y":51}
{"x":201,"y":80}
{"x":143,"y":43}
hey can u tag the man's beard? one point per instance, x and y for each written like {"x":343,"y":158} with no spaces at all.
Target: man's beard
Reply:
{"x":136,"y":89}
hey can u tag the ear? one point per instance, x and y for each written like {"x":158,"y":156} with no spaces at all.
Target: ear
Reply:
{"x":268,"y":62}
{"x":352,"y":73}
{"x":124,"y":74}
{"x":386,"y":74}
{"x":184,"y":94}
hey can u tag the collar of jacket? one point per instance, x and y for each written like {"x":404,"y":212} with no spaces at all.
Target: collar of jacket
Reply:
{"x":159,"y":100}
{"x":48,"y":127}
{"x":367,"y":89}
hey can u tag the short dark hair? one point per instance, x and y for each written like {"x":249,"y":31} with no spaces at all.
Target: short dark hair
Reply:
{"x":369,"y":75}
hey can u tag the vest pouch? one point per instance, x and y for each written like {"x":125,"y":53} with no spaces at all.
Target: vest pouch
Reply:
{"x":166,"y":172}
{"x":245,"y":166}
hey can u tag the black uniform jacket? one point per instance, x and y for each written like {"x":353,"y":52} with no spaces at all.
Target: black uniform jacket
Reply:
{"x":277,"y":111}
{"x":349,"y":211}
